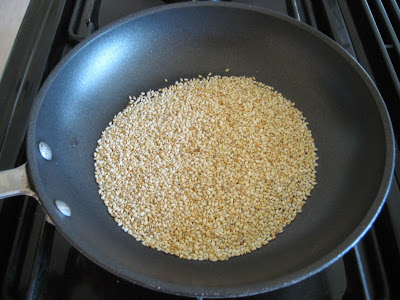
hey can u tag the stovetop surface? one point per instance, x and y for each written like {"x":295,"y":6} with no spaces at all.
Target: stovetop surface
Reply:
{"x":36,"y":262}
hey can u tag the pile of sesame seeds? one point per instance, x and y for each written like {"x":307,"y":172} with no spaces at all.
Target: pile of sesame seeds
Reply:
{"x":207,"y":168}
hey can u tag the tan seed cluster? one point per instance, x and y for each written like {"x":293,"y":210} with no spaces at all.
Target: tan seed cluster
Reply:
{"x":207,"y":168}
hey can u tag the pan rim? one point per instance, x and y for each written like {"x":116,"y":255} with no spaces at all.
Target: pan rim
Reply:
{"x":247,"y":288}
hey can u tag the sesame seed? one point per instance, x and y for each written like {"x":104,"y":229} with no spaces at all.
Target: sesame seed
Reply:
{"x":207,"y":168}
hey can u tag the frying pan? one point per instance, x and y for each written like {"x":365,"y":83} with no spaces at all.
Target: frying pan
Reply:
{"x":346,"y":115}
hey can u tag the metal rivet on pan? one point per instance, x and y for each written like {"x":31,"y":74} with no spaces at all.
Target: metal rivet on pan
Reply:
{"x":45,"y":151}
{"x":63,"y":208}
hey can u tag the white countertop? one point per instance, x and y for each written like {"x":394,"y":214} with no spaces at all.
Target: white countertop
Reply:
{"x":11,"y":15}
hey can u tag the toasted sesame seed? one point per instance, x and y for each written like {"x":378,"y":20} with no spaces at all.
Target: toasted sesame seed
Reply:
{"x":207,"y":168}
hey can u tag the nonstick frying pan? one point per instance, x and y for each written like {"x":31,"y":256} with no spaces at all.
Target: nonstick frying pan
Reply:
{"x":346,"y":115}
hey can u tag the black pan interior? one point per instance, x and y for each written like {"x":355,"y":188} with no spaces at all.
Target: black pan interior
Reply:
{"x":345,"y":112}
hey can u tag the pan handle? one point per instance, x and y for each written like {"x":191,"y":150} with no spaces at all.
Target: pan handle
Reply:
{"x":15,"y":182}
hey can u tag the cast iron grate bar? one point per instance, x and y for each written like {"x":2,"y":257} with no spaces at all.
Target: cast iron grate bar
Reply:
{"x":295,"y":10}
{"x":371,"y":267}
{"x":389,"y":247}
{"x":389,"y":26}
{"x":12,"y":250}
{"x":310,"y":15}
{"x":381,"y":45}
{"x":381,"y":268}
{"x":364,"y":275}
{"x":338,"y":26}
{"x":38,"y":282}
{"x":394,"y":8}
{"x":88,"y":10}
{"x":354,"y":37}
{"x":371,"y":32}
{"x":330,"y":21}
{"x":393,"y":211}
{"x":388,"y":33}
{"x":323,"y":21}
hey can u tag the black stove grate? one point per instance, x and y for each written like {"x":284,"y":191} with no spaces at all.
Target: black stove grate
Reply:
{"x":36,"y":262}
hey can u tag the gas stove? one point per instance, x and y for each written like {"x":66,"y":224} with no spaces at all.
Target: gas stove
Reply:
{"x":36,"y":262}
